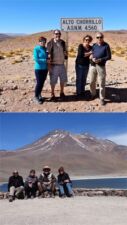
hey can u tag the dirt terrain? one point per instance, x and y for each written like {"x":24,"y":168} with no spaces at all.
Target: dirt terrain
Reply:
{"x":78,"y":210}
{"x":17,"y":81}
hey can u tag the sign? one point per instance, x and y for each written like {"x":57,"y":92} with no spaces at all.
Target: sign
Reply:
{"x":81,"y":24}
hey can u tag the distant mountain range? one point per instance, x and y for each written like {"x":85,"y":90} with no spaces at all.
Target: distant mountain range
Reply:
{"x":9,"y":35}
{"x":80,"y":154}
{"x":114,"y":38}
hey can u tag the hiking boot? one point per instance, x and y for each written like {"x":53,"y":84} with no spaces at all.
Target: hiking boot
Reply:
{"x":26,"y":197}
{"x":62,"y":95}
{"x":37,"y":194}
{"x":93,"y":97}
{"x":70,"y":195}
{"x":37,"y":100}
{"x":53,"y":98}
{"x":32,"y":197}
{"x":11,"y":199}
{"x":41,"y":195}
{"x":40,"y":98}
{"x":62,"y":196}
{"x":102,"y":102}
{"x":52,"y":195}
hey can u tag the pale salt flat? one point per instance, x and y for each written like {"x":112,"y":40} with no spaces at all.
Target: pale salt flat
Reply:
{"x":68,"y":211}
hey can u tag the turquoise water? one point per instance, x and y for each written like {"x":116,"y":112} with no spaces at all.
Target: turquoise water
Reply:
{"x":114,"y":183}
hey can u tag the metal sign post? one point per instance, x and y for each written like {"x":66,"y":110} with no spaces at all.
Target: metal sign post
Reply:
{"x":67,"y":50}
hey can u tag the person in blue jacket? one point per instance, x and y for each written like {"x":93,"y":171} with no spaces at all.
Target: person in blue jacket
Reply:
{"x":41,"y":67}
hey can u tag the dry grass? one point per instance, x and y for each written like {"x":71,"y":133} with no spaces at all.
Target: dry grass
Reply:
{"x":119,"y":51}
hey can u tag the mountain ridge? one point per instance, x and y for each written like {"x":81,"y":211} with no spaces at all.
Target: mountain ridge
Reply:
{"x":79,"y":154}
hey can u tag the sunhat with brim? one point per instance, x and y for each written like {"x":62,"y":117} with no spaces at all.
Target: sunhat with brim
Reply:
{"x":46,"y":168}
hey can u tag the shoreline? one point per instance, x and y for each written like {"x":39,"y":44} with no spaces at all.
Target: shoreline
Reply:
{"x":88,"y":178}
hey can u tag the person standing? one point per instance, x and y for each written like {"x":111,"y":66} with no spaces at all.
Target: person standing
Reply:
{"x":57,"y":55}
{"x":82,"y":64}
{"x":41,"y":68}
{"x":100,"y":54}
{"x":15,"y":186}
{"x":64,"y":183}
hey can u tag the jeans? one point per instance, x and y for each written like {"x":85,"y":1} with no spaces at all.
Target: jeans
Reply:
{"x":41,"y":76}
{"x":68,"y":188}
{"x":81,"y":76}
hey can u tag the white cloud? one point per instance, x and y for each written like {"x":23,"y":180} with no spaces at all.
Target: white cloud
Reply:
{"x":120,"y":139}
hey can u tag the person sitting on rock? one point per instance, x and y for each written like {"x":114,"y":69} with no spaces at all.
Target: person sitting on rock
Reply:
{"x":64,"y":183}
{"x":47,"y":182}
{"x":15,"y":186}
{"x":31,"y":185}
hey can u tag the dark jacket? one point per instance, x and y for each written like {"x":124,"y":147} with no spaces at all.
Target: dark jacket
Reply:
{"x":15,"y":181}
{"x":81,"y":59}
{"x":63,"y":177}
{"x":102,"y":52}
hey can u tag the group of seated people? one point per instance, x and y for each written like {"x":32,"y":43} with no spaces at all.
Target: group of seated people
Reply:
{"x":43,"y":186}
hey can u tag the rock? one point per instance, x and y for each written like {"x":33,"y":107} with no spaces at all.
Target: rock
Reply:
{"x":24,"y":93}
{"x":61,"y":110}
{"x":1,"y":89}
{"x":26,"y":81}
{"x":18,"y":59}
{"x":10,"y":81}
{"x":1,"y":195}
{"x":3,"y":102}
{"x":91,"y":193}
{"x":14,"y":87}
{"x":45,"y":110}
{"x":2,"y":57}
{"x":119,"y":193}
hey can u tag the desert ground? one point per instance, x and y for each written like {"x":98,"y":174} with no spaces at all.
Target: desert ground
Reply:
{"x":73,"y":211}
{"x":17,"y":81}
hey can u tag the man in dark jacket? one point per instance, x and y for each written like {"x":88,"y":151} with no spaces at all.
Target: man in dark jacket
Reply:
{"x":57,"y":54}
{"x":15,"y":186}
{"x":64,"y":182}
{"x":100,"y":54}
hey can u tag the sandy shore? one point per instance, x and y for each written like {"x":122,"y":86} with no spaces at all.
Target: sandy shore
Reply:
{"x":74,"y":211}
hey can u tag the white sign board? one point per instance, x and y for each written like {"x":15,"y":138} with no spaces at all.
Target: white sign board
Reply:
{"x":81,"y":24}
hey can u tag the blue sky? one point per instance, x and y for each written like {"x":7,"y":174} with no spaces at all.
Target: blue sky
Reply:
{"x":31,"y":16}
{"x":18,"y":129}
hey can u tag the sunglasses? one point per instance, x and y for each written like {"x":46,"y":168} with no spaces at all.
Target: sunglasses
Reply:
{"x":87,"y":39}
{"x":42,"y":41}
{"x":99,"y":37}
{"x":57,"y":34}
